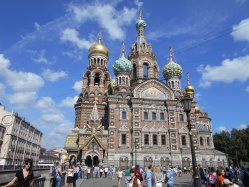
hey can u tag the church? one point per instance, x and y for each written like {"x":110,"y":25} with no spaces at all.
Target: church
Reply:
{"x":137,"y":118}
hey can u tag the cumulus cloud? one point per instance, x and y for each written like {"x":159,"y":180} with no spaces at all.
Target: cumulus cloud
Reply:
{"x":53,"y":75}
{"x":240,"y":31}
{"x":24,"y":84}
{"x":69,"y":101}
{"x":222,"y":128}
{"x":78,"y":86}
{"x":244,"y":126}
{"x":2,"y":90}
{"x":71,"y":35}
{"x":229,"y":71}
{"x":46,"y":105}
{"x":106,"y":16}
{"x":37,"y":26}
{"x":22,"y":99}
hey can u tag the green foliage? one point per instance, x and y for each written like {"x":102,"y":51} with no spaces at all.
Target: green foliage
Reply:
{"x":235,"y":144}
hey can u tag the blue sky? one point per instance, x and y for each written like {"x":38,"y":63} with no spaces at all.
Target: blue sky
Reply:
{"x":43,"y":54}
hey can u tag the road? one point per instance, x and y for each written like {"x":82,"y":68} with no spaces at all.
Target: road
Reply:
{"x":184,"y":181}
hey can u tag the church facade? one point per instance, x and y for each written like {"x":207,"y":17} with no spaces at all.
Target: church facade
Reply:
{"x":137,"y":118}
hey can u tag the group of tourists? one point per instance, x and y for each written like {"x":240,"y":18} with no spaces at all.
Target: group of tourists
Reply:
{"x":228,"y":177}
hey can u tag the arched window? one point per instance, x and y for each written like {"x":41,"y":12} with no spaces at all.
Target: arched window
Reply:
{"x":173,"y":85}
{"x":119,"y":80}
{"x":134,"y":71}
{"x":127,"y":80}
{"x":145,"y":70}
{"x":88,"y":80}
{"x":201,"y":141}
{"x":181,"y":119}
{"x":97,"y":79}
{"x":98,"y":61}
{"x":184,"y":142}
{"x":208,"y":141}
{"x":101,"y":62}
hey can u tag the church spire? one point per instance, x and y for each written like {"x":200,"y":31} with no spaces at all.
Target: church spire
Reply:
{"x":99,"y":37}
{"x":94,"y":115}
{"x":140,"y":16}
{"x":123,"y":50}
{"x":170,"y":54}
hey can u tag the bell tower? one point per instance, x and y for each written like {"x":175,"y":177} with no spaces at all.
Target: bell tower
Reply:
{"x":96,"y":78}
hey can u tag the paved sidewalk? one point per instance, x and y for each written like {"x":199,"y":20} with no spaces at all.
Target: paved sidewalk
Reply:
{"x":184,"y":181}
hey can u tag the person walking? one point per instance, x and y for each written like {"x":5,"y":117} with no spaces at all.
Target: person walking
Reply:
{"x":88,"y":172}
{"x":57,"y":175}
{"x":149,"y":177}
{"x":120,"y":176}
{"x":170,"y":176}
{"x":100,"y":172}
{"x":24,"y":177}
{"x":70,"y":178}
{"x":106,"y":171}
{"x":127,"y":176}
{"x":212,"y":177}
{"x":134,"y":182}
{"x":158,"y":177}
{"x":220,"y":177}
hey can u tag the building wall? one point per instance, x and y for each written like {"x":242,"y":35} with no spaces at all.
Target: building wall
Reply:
{"x":21,"y":140}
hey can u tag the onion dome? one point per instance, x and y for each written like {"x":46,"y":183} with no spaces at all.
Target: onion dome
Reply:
{"x":140,"y":22}
{"x":122,"y":64}
{"x":98,"y":48}
{"x":189,"y":89}
{"x":172,"y":69}
{"x":197,"y":109}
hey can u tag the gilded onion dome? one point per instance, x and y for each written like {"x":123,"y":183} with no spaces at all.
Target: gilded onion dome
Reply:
{"x":172,"y":69}
{"x":98,"y":48}
{"x":189,"y":89}
{"x":140,"y":22}
{"x":122,"y":64}
{"x":197,"y":109}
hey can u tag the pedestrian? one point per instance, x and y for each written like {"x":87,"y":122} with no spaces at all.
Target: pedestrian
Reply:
{"x":88,"y":172}
{"x":158,"y":177}
{"x":70,"y":175}
{"x":75,"y":174}
{"x":228,"y":183}
{"x":106,"y":171}
{"x":120,"y":176}
{"x":149,"y":177}
{"x":23,"y":177}
{"x":212,"y":177}
{"x":138,"y":173}
{"x":170,"y":176}
{"x":220,"y":177}
{"x":57,"y":175}
{"x":101,"y":172}
{"x":127,"y":176}
{"x":134,"y":182}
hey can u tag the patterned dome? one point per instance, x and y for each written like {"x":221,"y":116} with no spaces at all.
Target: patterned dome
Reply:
{"x":172,"y":69}
{"x":140,"y":23}
{"x":122,"y":65}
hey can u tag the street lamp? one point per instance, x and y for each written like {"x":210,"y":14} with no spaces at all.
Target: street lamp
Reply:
{"x":187,"y":102}
{"x":136,"y":143}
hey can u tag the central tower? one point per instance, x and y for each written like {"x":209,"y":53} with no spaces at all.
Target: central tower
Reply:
{"x":143,"y":59}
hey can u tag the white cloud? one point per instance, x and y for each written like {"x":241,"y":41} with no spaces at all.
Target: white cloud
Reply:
{"x":56,"y":136}
{"x":222,"y":128}
{"x":198,"y":96}
{"x":53,"y":118}
{"x":247,"y":88}
{"x":110,"y":19}
{"x":71,"y":35}
{"x":2,"y":90}
{"x":40,"y":57}
{"x":22,"y":99}
{"x":139,"y":3}
{"x":74,"y":54}
{"x":78,"y":86}
{"x":24,"y":84}
{"x":240,"y":2}
{"x":228,"y":71}
{"x":69,"y":101}
{"x":37,"y":26}
{"x":244,"y":126}
{"x":46,"y":105}
{"x":53,"y":75}
{"x":240,"y":31}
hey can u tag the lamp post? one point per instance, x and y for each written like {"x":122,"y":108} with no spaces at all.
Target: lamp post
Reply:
{"x":187,"y":102}
{"x":135,"y":146}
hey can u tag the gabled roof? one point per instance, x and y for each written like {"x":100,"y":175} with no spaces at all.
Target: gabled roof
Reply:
{"x":93,"y":136}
